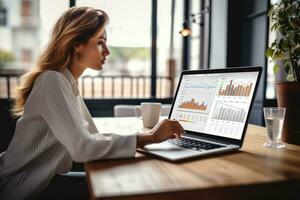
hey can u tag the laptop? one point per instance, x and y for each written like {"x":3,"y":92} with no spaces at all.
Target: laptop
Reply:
{"x":213,"y":107}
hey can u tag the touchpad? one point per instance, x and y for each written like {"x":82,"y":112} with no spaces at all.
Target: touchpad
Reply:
{"x":165,"y":146}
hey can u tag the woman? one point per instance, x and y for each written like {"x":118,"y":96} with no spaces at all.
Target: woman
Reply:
{"x":55,"y":127}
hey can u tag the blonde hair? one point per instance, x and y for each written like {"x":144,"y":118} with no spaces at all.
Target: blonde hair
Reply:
{"x":76,"y":26}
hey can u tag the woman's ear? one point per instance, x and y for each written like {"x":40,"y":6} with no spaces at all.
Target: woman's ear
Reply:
{"x":77,"y":48}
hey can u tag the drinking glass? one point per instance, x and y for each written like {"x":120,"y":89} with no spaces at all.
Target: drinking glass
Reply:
{"x":274,"y":118}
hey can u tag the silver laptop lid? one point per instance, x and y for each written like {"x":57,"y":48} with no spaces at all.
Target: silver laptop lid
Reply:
{"x":216,"y":103}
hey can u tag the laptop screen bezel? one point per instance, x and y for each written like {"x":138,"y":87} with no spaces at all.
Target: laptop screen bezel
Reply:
{"x":238,"y":142}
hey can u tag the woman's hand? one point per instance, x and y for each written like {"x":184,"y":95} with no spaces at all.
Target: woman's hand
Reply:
{"x":164,"y":130}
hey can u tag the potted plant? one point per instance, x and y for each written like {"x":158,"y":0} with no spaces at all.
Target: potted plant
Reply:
{"x":285,"y":52}
{"x":5,"y":57}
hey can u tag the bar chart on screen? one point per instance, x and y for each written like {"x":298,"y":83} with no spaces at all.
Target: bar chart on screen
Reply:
{"x":215,"y":104}
{"x":227,"y":118}
{"x":235,"y":88}
{"x":229,"y":112}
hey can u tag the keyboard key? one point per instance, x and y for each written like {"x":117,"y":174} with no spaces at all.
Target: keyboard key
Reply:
{"x":194,"y":144}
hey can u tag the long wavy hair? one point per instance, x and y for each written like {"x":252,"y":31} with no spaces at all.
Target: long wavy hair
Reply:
{"x":76,"y":26}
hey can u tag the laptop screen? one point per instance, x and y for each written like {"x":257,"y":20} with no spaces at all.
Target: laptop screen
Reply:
{"x":216,"y":104}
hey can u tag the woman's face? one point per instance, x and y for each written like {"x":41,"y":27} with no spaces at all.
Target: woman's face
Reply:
{"x":93,"y":53}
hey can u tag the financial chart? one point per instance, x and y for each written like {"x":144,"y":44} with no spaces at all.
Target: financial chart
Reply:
{"x":194,"y":101}
{"x":235,"y":88}
{"x":228,"y":112}
{"x":215,"y":104}
{"x":194,"y":105}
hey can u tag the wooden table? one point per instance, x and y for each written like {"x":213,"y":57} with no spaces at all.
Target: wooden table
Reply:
{"x":254,"y":172}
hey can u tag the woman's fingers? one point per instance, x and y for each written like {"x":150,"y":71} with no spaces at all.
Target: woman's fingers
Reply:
{"x":167,"y":129}
{"x":176,"y":129}
{"x":173,"y":136}
{"x":176,"y":126}
{"x":158,"y":125}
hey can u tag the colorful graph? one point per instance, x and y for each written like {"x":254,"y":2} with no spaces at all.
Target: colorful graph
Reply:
{"x":229,"y":113}
{"x":235,"y":89}
{"x":193,"y":105}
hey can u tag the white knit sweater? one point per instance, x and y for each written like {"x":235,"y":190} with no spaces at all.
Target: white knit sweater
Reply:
{"x":55,"y":129}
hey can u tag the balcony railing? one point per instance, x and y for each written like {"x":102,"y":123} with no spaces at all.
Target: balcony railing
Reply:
{"x":102,"y":87}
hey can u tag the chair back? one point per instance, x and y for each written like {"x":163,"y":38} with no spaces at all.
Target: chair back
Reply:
{"x":129,"y":110}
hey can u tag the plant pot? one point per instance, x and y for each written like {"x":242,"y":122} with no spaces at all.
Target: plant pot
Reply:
{"x":288,"y":96}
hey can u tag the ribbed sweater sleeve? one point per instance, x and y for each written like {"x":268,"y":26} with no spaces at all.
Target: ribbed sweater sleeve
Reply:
{"x":60,"y":111}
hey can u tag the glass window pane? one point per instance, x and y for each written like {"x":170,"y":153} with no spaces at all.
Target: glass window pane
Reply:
{"x":129,"y":35}
{"x":24,"y":30}
{"x":129,"y":41}
{"x":195,"y":37}
{"x":177,"y":36}
{"x":163,"y":36}
{"x":165,"y":53}
{"x":270,"y":90}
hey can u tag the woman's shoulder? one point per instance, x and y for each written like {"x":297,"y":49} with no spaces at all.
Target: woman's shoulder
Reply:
{"x":51,"y":76}
{"x":51,"y":80}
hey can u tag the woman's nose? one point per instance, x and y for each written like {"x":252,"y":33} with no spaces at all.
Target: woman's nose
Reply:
{"x":106,"y":51}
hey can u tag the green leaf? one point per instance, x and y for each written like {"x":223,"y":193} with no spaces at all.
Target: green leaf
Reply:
{"x":269,"y":52}
{"x":274,"y":27}
{"x":295,"y":48}
{"x":285,"y":20}
{"x":276,"y":68}
{"x":271,"y":11}
{"x":290,"y":77}
{"x":279,"y":56}
{"x":274,"y":43}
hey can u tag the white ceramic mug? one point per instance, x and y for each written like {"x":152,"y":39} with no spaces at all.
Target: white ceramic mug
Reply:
{"x":149,"y":113}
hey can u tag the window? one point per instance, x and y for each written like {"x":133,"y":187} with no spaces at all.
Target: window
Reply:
{"x":128,"y":70}
{"x":129,"y":41}
{"x":3,"y":15}
{"x":165,"y":50}
{"x":128,"y":35}
{"x":25,"y":30}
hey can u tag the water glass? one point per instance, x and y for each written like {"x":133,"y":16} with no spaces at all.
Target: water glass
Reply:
{"x":274,"y":118}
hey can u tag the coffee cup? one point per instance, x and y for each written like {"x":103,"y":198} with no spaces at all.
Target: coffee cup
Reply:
{"x":149,"y":112}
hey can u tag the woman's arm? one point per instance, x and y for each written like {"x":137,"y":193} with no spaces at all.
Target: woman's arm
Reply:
{"x":60,"y":111}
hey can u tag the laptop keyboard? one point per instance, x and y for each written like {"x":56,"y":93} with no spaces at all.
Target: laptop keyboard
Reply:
{"x":194,"y":144}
